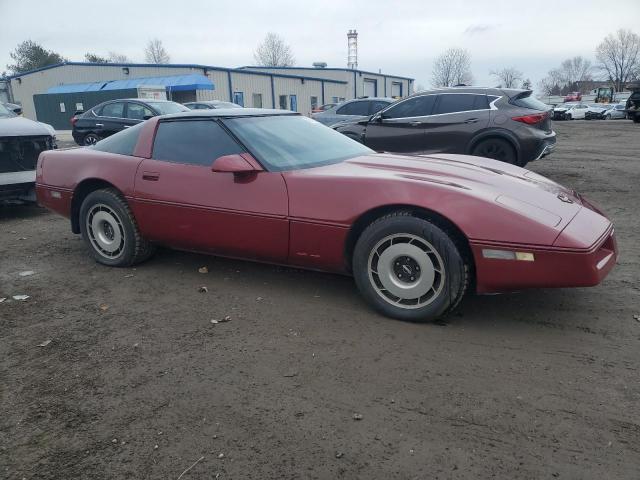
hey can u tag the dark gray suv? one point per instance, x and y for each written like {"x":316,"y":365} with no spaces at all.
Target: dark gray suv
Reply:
{"x":504,"y":124}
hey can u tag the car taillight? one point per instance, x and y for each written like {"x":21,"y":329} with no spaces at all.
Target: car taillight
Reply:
{"x":531,"y":119}
{"x":73,"y":121}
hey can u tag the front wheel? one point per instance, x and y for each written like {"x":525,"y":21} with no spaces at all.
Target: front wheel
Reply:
{"x":607,"y":117}
{"x":409,"y":268}
{"x":496,"y":148}
{"x":110,"y":230}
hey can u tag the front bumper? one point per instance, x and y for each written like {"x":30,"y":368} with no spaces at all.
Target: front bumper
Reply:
{"x":551,"y":267}
{"x":18,"y":186}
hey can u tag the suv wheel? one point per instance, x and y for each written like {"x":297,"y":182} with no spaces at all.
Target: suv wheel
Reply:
{"x":496,"y":148}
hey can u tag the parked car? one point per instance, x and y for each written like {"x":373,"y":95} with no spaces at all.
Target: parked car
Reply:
{"x":322,"y":108}
{"x":595,"y":111}
{"x":573,"y":97}
{"x":415,"y":232}
{"x":21,"y":141}
{"x":615,"y":112}
{"x":570,"y":111}
{"x":507,"y":125}
{"x":208,"y":104}
{"x":632,"y":103}
{"x":115,"y":115}
{"x":15,"y":108}
{"x":352,"y":109}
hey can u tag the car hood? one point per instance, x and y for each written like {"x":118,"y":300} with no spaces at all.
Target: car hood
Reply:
{"x":20,"y":126}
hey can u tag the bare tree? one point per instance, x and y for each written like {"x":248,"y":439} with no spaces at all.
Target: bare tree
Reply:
{"x":619,"y":57}
{"x":526,"y":84}
{"x":552,"y":84}
{"x":509,"y":77}
{"x":115,"y":57}
{"x":451,"y":68}
{"x":155,"y":52}
{"x":576,"y":70}
{"x":273,"y":52}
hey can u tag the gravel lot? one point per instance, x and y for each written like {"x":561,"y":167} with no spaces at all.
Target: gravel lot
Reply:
{"x":137,"y":382}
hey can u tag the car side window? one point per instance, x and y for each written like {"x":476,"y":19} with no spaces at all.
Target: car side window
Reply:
{"x":136,"y":111}
{"x":414,"y":107}
{"x":458,"y":102}
{"x":376,"y":105}
{"x":193,"y":142}
{"x":354,"y":108}
{"x":115,"y":110}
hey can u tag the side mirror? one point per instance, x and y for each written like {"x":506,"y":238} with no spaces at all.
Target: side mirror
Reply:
{"x":17,"y":110}
{"x":237,"y":163}
{"x":147,"y":117}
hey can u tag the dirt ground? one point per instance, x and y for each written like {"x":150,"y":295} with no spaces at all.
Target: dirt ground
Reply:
{"x":137,"y":382}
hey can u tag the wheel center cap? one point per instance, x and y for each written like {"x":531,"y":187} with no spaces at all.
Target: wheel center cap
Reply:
{"x":406,"y":269}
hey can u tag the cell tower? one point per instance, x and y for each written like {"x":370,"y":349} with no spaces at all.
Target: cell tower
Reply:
{"x":352,"y":60}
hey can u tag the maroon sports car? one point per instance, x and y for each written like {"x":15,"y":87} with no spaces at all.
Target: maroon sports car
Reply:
{"x":416,"y":232}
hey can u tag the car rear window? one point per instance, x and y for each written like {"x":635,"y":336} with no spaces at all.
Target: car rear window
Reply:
{"x":195,"y":142}
{"x":527,"y":100}
{"x":164,"y":108}
{"x":354,"y":108}
{"x":122,"y":143}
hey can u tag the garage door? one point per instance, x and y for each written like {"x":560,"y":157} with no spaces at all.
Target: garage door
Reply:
{"x":396,"y":89}
{"x":369,"y":88}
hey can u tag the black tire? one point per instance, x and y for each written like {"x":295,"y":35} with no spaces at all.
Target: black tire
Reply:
{"x":636,"y":118}
{"x":569,"y":117}
{"x":496,"y":148}
{"x":110,"y":230}
{"x":607,"y":117}
{"x":448,"y":287}
{"x":91,"y":139}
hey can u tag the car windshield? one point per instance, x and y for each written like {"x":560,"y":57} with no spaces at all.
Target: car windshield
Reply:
{"x":291,"y":142}
{"x":5,"y":112}
{"x":167,"y":107}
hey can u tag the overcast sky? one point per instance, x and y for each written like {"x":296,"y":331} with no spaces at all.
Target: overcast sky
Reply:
{"x":398,"y":37}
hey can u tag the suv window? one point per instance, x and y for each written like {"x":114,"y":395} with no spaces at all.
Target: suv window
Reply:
{"x":122,"y":143}
{"x":115,"y":110}
{"x":458,"y":102}
{"x":527,"y":100}
{"x":137,"y":111}
{"x":195,"y":142}
{"x":414,"y":107}
{"x":354,"y":108}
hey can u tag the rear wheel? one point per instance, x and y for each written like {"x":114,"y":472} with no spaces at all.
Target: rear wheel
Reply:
{"x":636,"y":118}
{"x":90,"y":139}
{"x":496,"y":148}
{"x":408,"y":268}
{"x":110,"y":230}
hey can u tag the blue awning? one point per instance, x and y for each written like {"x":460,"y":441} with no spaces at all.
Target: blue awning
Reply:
{"x":175,"y":83}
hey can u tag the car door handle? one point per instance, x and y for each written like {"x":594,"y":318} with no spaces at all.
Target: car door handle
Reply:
{"x":471,"y":120}
{"x":99,"y":124}
{"x":151,"y":176}
{"x":415,"y":124}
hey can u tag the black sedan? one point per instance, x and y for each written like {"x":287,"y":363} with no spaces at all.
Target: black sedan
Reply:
{"x":113,"y":116}
{"x":504,"y":124}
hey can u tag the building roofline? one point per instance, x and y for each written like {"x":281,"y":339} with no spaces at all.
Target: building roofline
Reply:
{"x":173,"y":65}
{"x":247,"y":67}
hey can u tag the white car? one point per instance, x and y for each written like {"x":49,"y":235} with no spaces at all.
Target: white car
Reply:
{"x":21,"y":141}
{"x":615,"y":112}
{"x":576,"y":112}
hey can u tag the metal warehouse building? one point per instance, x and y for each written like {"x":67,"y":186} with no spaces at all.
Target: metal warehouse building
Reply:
{"x":52,"y":94}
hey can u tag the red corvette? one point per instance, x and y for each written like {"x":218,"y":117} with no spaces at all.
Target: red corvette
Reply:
{"x":416,"y":232}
